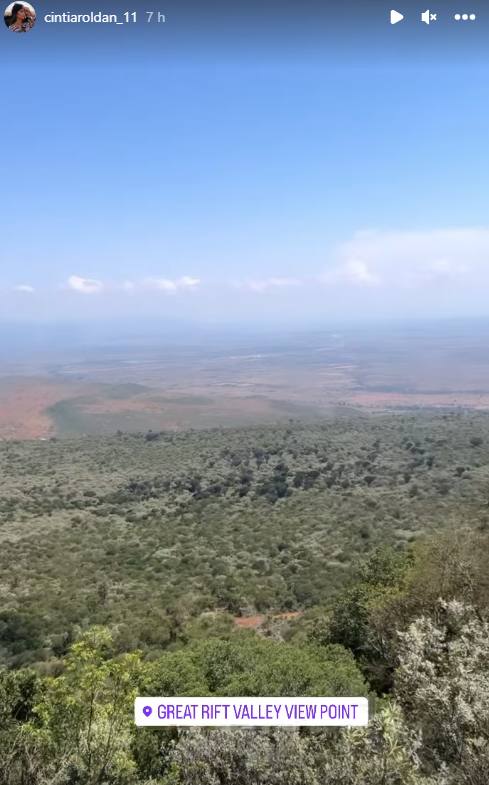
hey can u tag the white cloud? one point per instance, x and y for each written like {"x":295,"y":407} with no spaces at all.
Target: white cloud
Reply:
{"x":267,"y":284}
{"x":355,"y":272}
{"x":161,"y":284}
{"x":187,"y":282}
{"x":445,"y":257}
{"x":85,"y":285}
{"x":24,"y":287}
{"x":95,"y":286}
{"x":170,"y":286}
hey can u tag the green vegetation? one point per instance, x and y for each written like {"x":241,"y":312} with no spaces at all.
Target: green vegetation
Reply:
{"x":124,"y":559}
{"x":144,"y":532}
{"x":134,"y":408}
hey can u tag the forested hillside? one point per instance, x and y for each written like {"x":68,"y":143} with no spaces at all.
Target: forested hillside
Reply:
{"x":142,"y":532}
{"x":127,"y":561}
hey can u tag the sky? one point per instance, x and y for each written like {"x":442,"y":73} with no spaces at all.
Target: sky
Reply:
{"x":273,"y":163}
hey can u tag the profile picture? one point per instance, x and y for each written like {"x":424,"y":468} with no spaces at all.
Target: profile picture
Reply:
{"x":19,"y":17}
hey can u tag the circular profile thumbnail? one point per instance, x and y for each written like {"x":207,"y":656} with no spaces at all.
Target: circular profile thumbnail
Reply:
{"x":19,"y":17}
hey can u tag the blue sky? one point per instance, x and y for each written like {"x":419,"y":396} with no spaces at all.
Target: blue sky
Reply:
{"x":165,"y":176}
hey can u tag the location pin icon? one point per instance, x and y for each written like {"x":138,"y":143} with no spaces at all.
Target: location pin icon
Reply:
{"x":147,"y":711}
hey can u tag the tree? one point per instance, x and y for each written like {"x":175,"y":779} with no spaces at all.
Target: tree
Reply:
{"x":242,"y":757}
{"x":18,"y":692}
{"x":442,"y":684}
{"x":360,"y":620}
{"x":80,"y":730}
{"x":383,"y":753}
{"x":251,"y":665}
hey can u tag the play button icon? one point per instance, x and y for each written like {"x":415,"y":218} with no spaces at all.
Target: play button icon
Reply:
{"x":396,"y":17}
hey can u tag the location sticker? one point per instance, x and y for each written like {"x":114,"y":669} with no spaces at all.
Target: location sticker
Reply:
{"x":251,"y":712}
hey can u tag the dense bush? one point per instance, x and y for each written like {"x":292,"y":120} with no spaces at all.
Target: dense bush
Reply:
{"x":243,"y":521}
{"x":124,"y":560}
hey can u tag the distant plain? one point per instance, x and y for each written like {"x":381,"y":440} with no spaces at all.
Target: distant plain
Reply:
{"x":201,"y":382}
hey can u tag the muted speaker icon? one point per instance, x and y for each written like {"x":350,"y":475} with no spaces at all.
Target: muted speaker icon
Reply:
{"x":428,"y":16}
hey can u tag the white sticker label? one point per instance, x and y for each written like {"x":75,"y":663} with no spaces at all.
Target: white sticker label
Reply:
{"x":250,"y":712}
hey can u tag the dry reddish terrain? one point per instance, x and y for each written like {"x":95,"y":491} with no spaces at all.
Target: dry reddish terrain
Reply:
{"x":202,"y":392}
{"x":254,"y":622}
{"x":23,"y":404}
{"x":25,"y":401}
{"x":387,"y":400}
